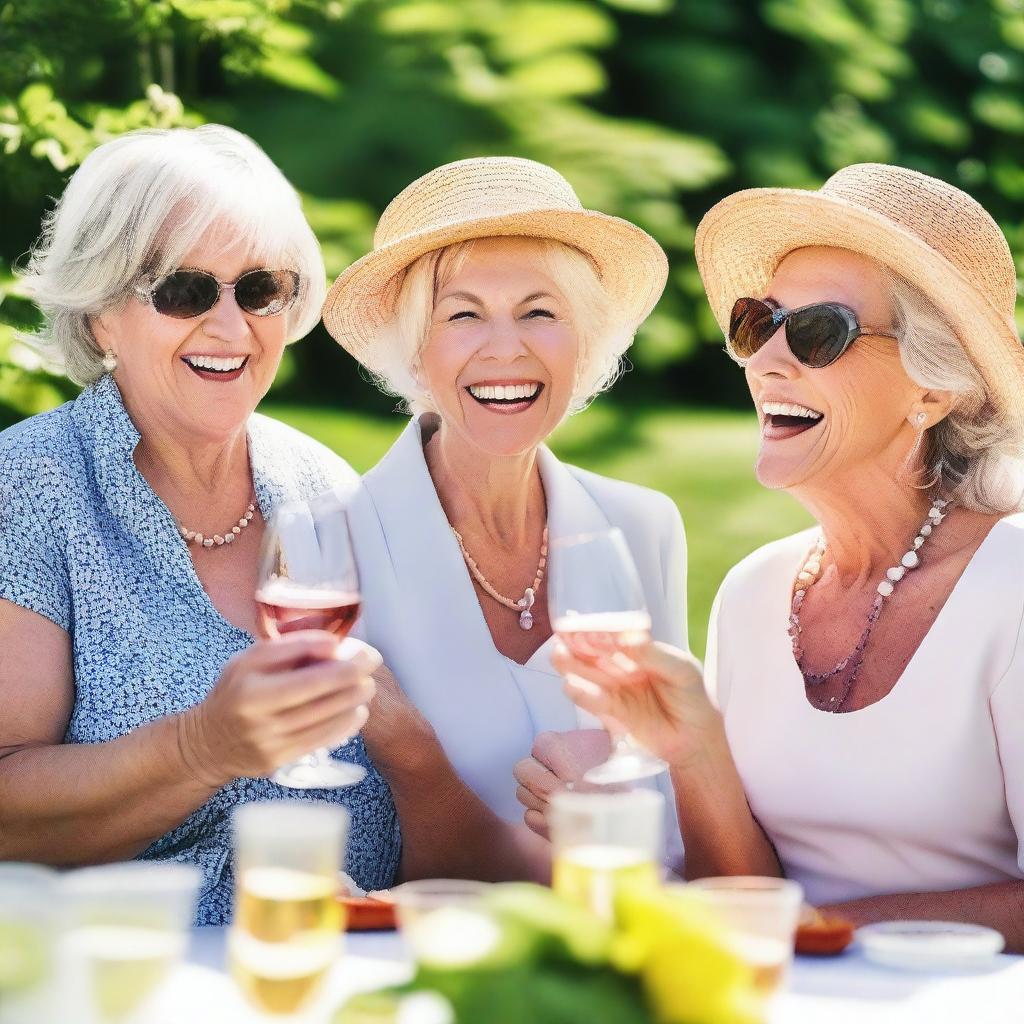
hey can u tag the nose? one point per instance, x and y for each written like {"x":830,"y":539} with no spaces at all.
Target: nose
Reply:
{"x":503,"y":341}
{"x":226,"y":321}
{"x":774,"y":358}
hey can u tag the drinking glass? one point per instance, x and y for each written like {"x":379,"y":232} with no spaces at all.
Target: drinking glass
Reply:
{"x":125,"y":930}
{"x":760,"y":916}
{"x":26,"y":942}
{"x":598,"y":611}
{"x":444,"y":921}
{"x":603,"y":843}
{"x":288,"y":920}
{"x":308,"y":580}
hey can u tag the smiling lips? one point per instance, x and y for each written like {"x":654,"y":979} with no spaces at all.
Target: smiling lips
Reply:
{"x":782,"y":420}
{"x":506,"y":397}
{"x":218,"y":368}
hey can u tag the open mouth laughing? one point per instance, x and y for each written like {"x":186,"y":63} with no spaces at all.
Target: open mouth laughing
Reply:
{"x":509,"y":396}
{"x":782,"y":420}
{"x":219,"y":368}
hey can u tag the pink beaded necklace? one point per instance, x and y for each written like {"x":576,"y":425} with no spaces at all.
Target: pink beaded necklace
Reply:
{"x":851,"y":664}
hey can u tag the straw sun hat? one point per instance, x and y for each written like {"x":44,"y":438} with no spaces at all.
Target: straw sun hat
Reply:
{"x":482,"y":198}
{"x":932,"y":234}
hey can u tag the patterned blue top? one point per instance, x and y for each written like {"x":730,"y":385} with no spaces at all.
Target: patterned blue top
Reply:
{"x":85,"y":542}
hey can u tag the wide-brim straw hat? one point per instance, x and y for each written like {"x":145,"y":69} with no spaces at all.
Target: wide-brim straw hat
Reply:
{"x":927,"y":231}
{"x":489,"y":197}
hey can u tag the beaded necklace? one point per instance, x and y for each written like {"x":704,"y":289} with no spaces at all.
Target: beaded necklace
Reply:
{"x":851,"y":664}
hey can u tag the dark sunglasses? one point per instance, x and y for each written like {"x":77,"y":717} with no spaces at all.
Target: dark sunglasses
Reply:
{"x":188,"y":293}
{"x":817,"y":335}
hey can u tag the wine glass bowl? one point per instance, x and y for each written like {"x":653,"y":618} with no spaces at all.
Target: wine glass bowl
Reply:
{"x":599,"y":611}
{"x":309,"y":580}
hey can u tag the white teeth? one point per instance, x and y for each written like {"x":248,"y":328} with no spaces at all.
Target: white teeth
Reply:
{"x":215,"y":363}
{"x":788,"y":409}
{"x":504,"y":392}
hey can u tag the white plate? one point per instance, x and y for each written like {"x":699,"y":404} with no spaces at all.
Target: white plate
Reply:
{"x":930,"y":945}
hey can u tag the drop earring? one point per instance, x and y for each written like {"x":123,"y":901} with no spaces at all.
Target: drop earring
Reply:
{"x":109,"y":361}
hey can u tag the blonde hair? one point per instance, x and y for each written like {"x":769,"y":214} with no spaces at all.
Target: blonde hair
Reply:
{"x":134,"y":209}
{"x":394,"y":363}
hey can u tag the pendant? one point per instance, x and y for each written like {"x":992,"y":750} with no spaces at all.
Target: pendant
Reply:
{"x":526,"y":603}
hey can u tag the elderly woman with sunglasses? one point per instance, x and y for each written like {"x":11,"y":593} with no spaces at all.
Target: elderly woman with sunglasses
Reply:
{"x":138,"y":709}
{"x":860,"y":726}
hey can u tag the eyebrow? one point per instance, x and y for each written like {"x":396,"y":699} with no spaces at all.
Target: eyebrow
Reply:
{"x":470,"y":297}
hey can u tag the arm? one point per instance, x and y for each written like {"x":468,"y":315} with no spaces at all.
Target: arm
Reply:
{"x":447,"y":830}
{"x":999,"y":905}
{"x":68,"y":804}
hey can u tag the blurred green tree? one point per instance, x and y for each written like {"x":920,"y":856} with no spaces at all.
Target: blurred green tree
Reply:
{"x":653,"y":109}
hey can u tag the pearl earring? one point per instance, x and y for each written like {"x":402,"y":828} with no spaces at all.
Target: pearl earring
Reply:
{"x":920,"y":418}
{"x":109,"y":361}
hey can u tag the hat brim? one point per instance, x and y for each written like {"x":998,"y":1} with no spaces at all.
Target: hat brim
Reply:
{"x":631,"y":265}
{"x":742,"y":239}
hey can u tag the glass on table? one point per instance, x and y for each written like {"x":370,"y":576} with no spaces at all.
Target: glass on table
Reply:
{"x":309,"y":580}
{"x":599,"y":612}
{"x":26,"y":942}
{"x":605,"y":843}
{"x":124,"y":931}
{"x":288,"y":921}
{"x":760,"y":916}
{"x":444,"y":921}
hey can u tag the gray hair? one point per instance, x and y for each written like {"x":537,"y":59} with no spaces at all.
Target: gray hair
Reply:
{"x":973,"y":455}
{"x":134,"y":209}
{"x":394,"y":363}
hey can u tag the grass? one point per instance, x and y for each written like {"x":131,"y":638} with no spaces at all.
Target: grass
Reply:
{"x":703,"y":459}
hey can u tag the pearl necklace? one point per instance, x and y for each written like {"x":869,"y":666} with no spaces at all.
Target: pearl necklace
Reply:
{"x":525,"y":603}
{"x":810,"y":574}
{"x":228,"y":537}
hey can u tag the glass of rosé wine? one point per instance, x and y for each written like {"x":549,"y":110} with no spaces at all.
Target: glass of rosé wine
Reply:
{"x":599,"y":612}
{"x":308,"y":580}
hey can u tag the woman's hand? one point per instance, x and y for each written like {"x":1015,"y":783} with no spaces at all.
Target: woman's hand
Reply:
{"x":656,"y":692}
{"x":277,"y":701}
{"x":559,"y":759}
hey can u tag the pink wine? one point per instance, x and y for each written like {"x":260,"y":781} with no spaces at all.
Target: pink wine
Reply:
{"x":285,"y":608}
{"x":593,"y":636}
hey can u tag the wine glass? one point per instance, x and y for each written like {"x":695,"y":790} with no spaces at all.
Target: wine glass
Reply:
{"x":598,"y":611}
{"x":308,"y":580}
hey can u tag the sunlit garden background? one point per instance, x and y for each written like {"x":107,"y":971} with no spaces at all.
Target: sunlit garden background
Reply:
{"x":653,"y":109}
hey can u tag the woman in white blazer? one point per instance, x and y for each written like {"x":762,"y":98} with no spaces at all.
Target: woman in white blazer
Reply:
{"x":494,"y":305}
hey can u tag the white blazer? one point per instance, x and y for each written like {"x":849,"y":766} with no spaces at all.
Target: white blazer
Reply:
{"x":420,"y":610}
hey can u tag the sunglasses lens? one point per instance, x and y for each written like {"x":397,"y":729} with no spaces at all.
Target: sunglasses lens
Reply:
{"x":750,"y":326}
{"x":266,"y":292}
{"x":185,"y":294}
{"x":818,"y":335}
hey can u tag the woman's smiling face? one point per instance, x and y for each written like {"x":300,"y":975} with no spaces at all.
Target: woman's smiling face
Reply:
{"x":500,"y":357}
{"x":852,"y":413}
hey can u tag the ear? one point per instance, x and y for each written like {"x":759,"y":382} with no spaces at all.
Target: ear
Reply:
{"x":935,"y":405}
{"x":102,"y":334}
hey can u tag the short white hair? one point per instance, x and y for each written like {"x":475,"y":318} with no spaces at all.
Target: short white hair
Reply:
{"x":134,"y":209}
{"x":394,"y":363}
{"x":974,"y":455}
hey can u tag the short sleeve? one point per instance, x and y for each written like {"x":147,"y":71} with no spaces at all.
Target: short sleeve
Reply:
{"x":1007,"y":707}
{"x":712,"y":667}
{"x":33,"y":573}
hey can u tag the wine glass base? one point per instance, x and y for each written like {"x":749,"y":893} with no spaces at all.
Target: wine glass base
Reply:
{"x":625,"y":768}
{"x":323,"y":775}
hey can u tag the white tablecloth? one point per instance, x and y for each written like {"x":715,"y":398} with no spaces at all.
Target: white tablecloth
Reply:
{"x":840,"y":990}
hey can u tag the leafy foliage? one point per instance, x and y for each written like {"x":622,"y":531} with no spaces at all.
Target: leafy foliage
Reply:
{"x":653,"y":109}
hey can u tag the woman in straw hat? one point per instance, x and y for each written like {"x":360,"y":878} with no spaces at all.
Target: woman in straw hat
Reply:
{"x":494,"y":305}
{"x":862,"y":726}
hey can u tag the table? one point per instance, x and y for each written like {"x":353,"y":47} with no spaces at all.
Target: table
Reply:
{"x":842,"y":990}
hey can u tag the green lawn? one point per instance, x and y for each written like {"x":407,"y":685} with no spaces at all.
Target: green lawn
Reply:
{"x":702,"y":459}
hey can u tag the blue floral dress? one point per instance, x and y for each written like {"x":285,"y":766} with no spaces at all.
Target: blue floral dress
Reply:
{"x":85,"y":542}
